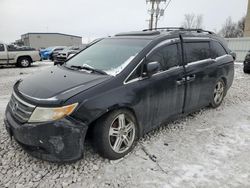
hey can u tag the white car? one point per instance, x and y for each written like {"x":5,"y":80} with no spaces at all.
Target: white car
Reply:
{"x":21,"y":57}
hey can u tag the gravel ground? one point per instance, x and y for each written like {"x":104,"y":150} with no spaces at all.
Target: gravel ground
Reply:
{"x":210,"y":148}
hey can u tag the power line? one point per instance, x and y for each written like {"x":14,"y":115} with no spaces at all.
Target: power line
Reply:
{"x":167,"y":4}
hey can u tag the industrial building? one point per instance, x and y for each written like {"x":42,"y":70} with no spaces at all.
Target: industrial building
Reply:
{"x":43,"y":40}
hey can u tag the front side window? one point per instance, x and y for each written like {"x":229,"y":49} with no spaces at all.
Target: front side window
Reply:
{"x":217,"y":50}
{"x":167,"y":56}
{"x":196,"y":51}
{"x":109,"y":55}
{"x":1,"y":47}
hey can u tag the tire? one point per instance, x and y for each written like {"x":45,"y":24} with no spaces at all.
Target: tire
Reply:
{"x":115,"y":135}
{"x":219,"y":93}
{"x":245,"y":70}
{"x":23,"y":62}
{"x":51,"y":57}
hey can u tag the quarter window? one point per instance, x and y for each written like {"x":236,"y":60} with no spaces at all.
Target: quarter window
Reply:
{"x":217,"y":50}
{"x":196,"y":51}
{"x":167,"y":57}
{"x":136,"y":74}
{"x":1,"y":47}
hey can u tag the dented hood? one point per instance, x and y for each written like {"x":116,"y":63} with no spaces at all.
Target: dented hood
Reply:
{"x":57,"y":84}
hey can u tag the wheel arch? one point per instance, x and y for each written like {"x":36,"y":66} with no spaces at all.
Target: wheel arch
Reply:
{"x":224,"y":80}
{"x":24,"y":56}
{"x":111,"y":109}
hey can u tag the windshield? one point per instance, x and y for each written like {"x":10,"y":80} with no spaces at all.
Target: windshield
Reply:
{"x":109,"y":55}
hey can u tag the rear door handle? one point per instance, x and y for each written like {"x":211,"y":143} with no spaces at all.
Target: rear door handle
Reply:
{"x":180,"y":81}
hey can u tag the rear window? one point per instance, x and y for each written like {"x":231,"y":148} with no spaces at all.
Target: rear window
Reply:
{"x":1,"y":47}
{"x":217,"y":49}
{"x":196,"y":51}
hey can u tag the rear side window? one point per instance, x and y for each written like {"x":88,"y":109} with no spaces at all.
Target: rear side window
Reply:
{"x":167,"y":56}
{"x":12,"y":48}
{"x":217,"y":49}
{"x":1,"y":47}
{"x":196,"y":51}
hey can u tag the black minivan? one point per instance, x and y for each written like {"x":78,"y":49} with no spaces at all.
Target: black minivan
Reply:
{"x":118,"y":89}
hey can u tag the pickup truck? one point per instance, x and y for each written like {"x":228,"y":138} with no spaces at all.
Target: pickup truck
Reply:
{"x":21,"y":57}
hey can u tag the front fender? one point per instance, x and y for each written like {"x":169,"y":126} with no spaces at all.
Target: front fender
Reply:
{"x":95,"y":107}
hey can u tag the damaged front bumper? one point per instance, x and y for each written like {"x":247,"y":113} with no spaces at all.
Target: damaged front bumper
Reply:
{"x":57,"y":141}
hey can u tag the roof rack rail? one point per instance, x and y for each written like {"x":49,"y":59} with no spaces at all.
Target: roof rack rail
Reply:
{"x":179,"y":29}
{"x":164,"y":28}
{"x":140,"y":33}
{"x":199,"y":31}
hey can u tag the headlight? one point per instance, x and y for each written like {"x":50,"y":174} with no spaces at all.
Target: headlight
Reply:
{"x":51,"y":114}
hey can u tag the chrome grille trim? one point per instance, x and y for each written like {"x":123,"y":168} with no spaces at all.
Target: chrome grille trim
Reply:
{"x":23,"y":102}
{"x":20,"y":109}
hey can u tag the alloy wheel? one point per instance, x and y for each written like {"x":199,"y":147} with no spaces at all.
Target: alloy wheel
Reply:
{"x":219,"y":92}
{"x":24,"y":63}
{"x":121,"y":133}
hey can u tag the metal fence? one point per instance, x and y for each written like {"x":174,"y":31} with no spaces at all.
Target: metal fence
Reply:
{"x":240,"y":46}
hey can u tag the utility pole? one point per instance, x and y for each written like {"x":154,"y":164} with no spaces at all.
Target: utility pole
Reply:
{"x":151,"y":22}
{"x":156,"y":11}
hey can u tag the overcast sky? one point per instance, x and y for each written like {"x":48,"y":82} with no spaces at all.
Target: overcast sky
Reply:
{"x":89,"y":18}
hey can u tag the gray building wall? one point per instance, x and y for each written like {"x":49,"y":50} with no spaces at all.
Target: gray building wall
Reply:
{"x":44,"y":40}
{"x":240,"y":46}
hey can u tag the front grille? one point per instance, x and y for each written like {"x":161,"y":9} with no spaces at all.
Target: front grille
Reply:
{"x":20,"y":109}
{"x":60,"y":59}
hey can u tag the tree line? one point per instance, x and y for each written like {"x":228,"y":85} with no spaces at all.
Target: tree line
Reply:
{"x":230,"y":29}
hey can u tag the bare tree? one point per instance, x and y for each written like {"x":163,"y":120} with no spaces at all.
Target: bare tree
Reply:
{"x":232,"y":29}
{"x":241,"y":25}
{"x":192,"y":21}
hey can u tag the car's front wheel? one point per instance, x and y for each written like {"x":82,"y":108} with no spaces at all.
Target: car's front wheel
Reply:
{"x":115,"y":134}
{"x":218,"y":93}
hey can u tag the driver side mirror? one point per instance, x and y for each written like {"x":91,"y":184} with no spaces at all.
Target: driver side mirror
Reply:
{"x":152,"y":68}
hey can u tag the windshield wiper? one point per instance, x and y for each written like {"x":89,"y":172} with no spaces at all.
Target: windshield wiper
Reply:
{"x":89,"y":69}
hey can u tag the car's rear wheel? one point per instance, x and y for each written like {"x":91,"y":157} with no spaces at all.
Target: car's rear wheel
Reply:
{"x":218,"y":93}
{"x":24,"y":62}
{"x":115,"y":134}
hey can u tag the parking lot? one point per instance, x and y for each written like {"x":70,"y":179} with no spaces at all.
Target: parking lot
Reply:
{"x":210,"y":148}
